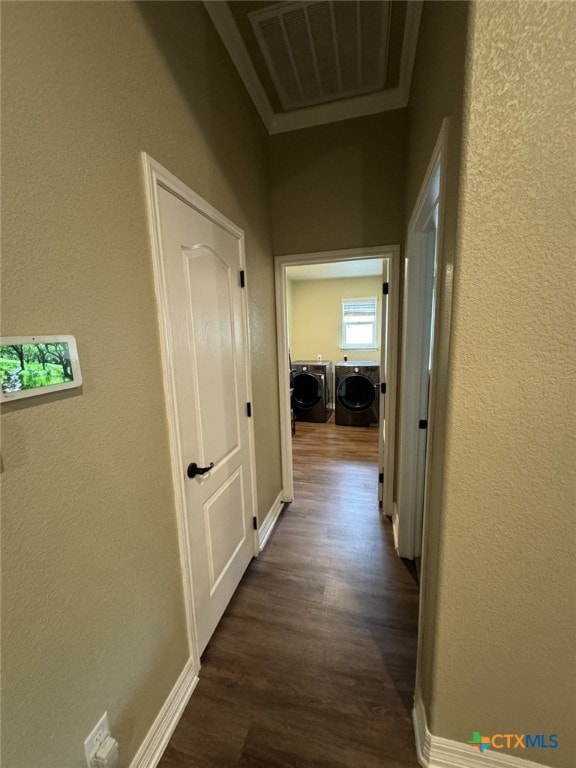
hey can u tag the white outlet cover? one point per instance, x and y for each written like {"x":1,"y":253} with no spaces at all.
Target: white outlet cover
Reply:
{"x":96,"y":737}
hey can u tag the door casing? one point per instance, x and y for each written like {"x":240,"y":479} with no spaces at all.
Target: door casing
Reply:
{"x":410,"y":513}
{"x":156,"y":176}
{"x":390,"y":252}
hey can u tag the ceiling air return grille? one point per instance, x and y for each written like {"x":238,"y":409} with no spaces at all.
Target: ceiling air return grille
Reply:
{"x":321,"y":51}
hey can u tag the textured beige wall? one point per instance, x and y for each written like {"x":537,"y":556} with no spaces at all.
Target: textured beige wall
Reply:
{"x":437,"y":93}
{"x":317,"y":317}
{"x":92,"y":606}
{"x":340,"y":185}
{"x":504,"y":659}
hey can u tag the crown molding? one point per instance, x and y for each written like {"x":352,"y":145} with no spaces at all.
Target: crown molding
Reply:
{"x":343,"y":109}
{"x":227,"y":29}
{"x":409,"y":45}
{"x":334,"y":111}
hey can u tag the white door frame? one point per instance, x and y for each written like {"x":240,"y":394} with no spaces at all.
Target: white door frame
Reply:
{"x":390,"y":252}
{"x":156,"y":176}
{"x":384,"y":366}
{"x":410,"y":512}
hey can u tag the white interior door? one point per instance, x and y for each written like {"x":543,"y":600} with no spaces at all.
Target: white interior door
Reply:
{"x":428,"y":293}
{"x":419,"y":303}
{"x":205,"y":321}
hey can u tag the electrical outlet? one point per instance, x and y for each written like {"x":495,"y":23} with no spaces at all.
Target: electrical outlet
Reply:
{"x":95,"y":739}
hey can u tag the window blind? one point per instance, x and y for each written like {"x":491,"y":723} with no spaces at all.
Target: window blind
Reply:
{"x":359,"y":323}
{"x":358,"y":310}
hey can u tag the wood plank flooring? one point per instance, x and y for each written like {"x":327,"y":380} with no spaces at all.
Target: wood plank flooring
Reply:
{"x":313,"y":662}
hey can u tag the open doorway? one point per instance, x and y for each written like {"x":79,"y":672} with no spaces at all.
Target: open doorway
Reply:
{"x":385,"y":262}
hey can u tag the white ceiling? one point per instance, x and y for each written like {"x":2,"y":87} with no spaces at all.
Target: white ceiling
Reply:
{"x":336,"y":269}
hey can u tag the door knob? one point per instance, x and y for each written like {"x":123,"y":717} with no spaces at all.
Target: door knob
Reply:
{"x":194,"y":469}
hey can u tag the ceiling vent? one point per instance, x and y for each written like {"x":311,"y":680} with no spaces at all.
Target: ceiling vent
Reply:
{"x":322,"y":50}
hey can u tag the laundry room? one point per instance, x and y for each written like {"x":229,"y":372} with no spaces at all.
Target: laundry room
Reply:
{"x":334,"y":319}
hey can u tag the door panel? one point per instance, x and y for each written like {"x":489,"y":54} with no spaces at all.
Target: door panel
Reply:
{"x":201,"y":262}
{"x":211,"y":334}
{"x":225,"y":532}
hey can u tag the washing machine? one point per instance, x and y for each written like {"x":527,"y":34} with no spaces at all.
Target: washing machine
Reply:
{"x":357,"y":390}
{"x":312,"y":384}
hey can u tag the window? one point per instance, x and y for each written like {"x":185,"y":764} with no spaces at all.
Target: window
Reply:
{"x":359,"y":323}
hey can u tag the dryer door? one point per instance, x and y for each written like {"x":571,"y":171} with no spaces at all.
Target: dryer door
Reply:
{"x":356,"y":393}
{"x":307,"y":390}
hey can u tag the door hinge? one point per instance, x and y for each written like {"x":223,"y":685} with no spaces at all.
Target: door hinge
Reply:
{"x":383,"y":388}
{"x":385,"y":287}
{"x":242,"y":279}
{"x":249,"y":409}
{"x":381,"y":477}
{"x":255,"y":523}
{"x":423,"y":424}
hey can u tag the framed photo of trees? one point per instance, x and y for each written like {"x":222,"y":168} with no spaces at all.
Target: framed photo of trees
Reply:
{"x":36,"y":365}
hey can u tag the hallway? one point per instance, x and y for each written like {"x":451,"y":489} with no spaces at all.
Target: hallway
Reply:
{"x":313,"y":662}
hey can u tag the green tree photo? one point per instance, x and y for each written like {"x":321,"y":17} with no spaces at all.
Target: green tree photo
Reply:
{"x":28,"y":366}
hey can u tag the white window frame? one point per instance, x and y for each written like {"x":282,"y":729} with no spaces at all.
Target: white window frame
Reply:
{"x":373,"y":323}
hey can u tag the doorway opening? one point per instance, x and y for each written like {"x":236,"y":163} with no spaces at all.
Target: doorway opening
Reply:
{"x":383,"y":262}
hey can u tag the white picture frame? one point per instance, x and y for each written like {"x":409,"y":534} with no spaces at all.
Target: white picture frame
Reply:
{"x":37,"y":365}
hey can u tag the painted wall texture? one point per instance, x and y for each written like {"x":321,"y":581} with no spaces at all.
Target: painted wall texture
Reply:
{"x":316,"y":314}
{"x":504,"y":656}
{"x":93,"y":615}
{"x":340,"y":185}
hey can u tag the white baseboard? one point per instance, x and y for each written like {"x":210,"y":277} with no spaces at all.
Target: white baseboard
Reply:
{"x":436,"y":752}
{"x":267,"y":526}
{"x":157,"y":738}
{"x":395,"y":524}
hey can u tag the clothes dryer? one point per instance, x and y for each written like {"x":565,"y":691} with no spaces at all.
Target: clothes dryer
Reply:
{"x":357,"y":388}
{"x":312,"y":386}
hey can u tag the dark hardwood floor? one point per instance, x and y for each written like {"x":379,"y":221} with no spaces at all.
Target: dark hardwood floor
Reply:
{"x":313,"y":662}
